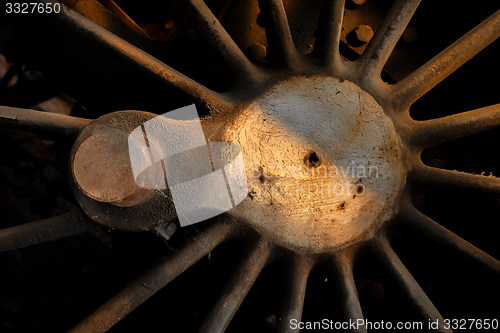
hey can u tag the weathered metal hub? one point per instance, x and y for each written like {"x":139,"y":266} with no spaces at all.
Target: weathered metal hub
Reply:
{"x":102,"y":170}
{"x":324,"y":163}
{"x":102,"y":178}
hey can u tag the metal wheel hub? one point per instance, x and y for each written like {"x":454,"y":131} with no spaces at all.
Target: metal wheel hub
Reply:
{"x":346,"y":176}
{"x":324,"y":163}
{"x":102,"y":178}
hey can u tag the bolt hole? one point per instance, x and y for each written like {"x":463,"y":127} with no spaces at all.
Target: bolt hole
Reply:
{"x":360,"y":189}
{"x":312,"y":160}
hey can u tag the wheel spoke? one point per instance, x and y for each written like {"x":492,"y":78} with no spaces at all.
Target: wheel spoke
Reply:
{"x":438,"y":68}
{"x":278,"y":32}
{"x":406,"y":281}
{"x":153,"y":280}
{"x":328,"y":37}
{"x":41,"y":122}
{"x":456,"y":181}
{"x":71,"y":223}
{"x":128,"y":53}
{"x":348,"y":293}
{"x":295,"y":290}
{"x":236,"y":289}
{"x":387,"y":35}
{"x":215,"y":34}
{"x":432,"y":132}
{"x":429,"y":228}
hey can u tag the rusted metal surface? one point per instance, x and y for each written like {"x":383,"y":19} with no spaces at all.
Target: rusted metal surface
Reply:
{"x":125,"y":206}
{"x":102,"y":170}
{"x":41,"y":122}
{"x":429,"y":229}
{"x":279,"y":34}
{"x":408,"y":285}
{"x":215,"y":34}
{"x":410,"y":35}
{"x":406,"y":92}
{"x":257,"y":52}
{"x":392,"y":27}
{"x":358,"y":2}
{"x":364,"y":33}
{"x":327,"y":44}
{"x":68,"y":224}
{"x":121,"y":15}
{"x":298,"y":271}
{"x":237,"y":288}
{"x":431,"y":132}
{"x":354,"y":15}
{"x":275,"y":134}
{"x":150,"y":66}
{"x":153,"y":280}
{"x":343,"y":272}
{"x":461,"y":182}
{"x":297,"y":112}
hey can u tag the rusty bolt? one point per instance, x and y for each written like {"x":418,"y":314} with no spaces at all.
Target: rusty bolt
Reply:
{"x":410,"y":35}
{"x":377,"y":290}
{"x":257,"y":52}
{"x":358,"y":2}
{"x":169,"y":25}
{"x":419,"y":200}
{"x":364,"y":33}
